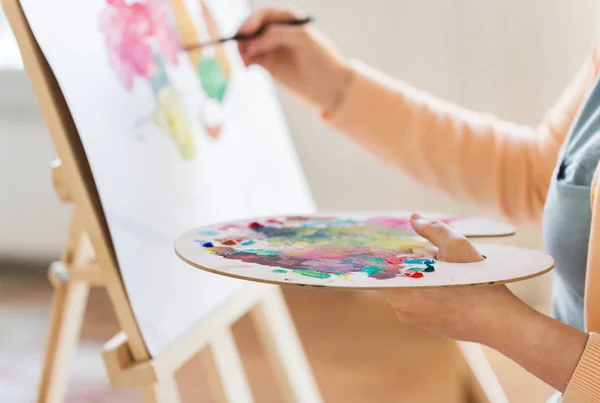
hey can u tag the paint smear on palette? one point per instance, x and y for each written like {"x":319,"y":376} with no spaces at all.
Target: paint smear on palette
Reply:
{"x":322,"y":247}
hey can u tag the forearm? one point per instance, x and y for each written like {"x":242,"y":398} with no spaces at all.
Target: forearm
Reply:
{"x":466,"y":154}
{"x":547,"y":348}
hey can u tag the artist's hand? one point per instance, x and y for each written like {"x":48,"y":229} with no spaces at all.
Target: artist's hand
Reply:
{"x":452,"y":246}
{"x":462,"y":313}
{"x":299,"y":57}
{"x":489,"y":315}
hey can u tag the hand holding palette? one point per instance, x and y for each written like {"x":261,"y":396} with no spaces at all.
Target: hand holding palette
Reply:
{"x":366,"y":251}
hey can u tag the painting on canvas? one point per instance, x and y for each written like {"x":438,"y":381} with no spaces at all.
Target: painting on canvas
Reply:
{"x":175,"y":139}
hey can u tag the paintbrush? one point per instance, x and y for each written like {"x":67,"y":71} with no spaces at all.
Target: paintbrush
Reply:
{"x":245,"y":37}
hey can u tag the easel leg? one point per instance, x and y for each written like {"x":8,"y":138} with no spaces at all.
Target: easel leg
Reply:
{"x":68,"y":308}
{"x":277,"y":332}
{"x":482,"y":383}
{"x":164,"y":392}
{"x":223,"y":366}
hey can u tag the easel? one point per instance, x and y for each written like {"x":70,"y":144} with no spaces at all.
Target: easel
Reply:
{"x":89,"y":261}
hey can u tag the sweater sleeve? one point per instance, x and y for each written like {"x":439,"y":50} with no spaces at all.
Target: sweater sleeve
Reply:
{"x":584,"y":386}
{"x":466,"y":154}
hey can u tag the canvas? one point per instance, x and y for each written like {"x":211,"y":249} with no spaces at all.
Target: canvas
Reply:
{"x":174,"y":139}
{"x":352,"y":251}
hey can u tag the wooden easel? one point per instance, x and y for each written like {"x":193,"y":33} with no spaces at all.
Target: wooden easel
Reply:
{"x":89,"y":261}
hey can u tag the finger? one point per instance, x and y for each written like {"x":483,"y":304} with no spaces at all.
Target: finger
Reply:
{"x":275,"y":37}
{"x":245,"y":59}
{"x":434,"y":231}
{"x":243,"y":50}
{"x":266,"y":61}
{"x":453,"y":246}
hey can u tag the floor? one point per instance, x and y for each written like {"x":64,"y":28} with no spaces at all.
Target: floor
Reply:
{"x":359,"y":352}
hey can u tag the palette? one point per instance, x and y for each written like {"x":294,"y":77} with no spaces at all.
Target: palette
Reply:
{"x":353,"y":250}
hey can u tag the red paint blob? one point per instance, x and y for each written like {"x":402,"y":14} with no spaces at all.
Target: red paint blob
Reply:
{"x":271,"y":221}
{"x":395,"y":260}
{"x":416,"y":274}
{"x":228,"y":241}
{"x":254,"y":225}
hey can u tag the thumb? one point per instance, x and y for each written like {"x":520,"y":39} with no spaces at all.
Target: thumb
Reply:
{"x":452,"y":246}
{"x":434,"y":231}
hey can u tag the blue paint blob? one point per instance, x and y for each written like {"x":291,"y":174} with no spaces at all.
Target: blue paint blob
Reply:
{"x":248,"y":242}
{"x":371,"y":270}
{"x":419,"y":261}
{"x":208,"y":245}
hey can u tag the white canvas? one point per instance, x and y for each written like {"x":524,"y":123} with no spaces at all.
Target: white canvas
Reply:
{"x":153,"y":190}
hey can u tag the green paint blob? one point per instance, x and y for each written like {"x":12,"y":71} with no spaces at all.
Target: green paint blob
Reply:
{"x":279,"y":271}
{"x":311,"y":273}
{"x":429,"y":269}
{"x":377,"y":260}
{"x":213,"y":78}
{"x":371,"y":270}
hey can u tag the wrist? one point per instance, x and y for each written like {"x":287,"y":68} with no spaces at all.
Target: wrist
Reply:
{"x":547,"y":348}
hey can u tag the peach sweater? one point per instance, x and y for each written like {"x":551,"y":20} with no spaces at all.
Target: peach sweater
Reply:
{"x":480,"y":157}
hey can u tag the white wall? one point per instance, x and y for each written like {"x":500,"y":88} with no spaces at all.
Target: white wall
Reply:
{"x":33,"y":222}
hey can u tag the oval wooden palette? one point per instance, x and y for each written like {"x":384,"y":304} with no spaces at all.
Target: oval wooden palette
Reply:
{"x":346,"y":250}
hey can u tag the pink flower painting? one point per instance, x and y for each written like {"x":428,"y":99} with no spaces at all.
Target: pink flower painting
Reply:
{"x":163,"y":29}
{"x":132,"y":32}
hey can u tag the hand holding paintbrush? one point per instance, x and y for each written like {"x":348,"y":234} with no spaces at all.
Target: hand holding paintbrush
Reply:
{"x":296,"y":55}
